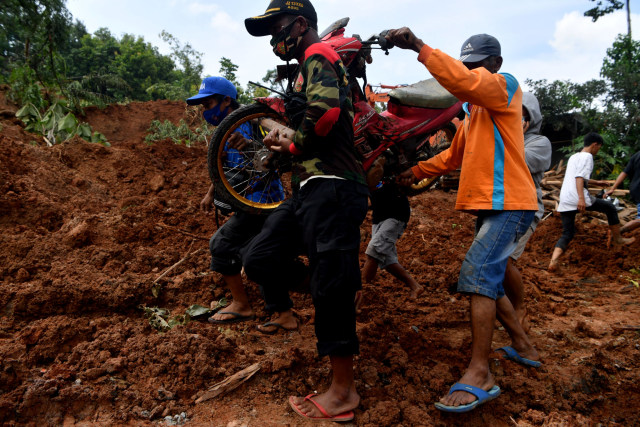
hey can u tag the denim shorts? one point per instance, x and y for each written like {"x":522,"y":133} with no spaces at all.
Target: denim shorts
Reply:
{"x":382,"y":246}
{"x":497,"y":235}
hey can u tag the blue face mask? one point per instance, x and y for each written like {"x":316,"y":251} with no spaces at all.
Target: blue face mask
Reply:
{"x":214,"y":116}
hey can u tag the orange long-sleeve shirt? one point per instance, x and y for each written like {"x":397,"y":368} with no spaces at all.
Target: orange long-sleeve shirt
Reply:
{"x":489,"y":145}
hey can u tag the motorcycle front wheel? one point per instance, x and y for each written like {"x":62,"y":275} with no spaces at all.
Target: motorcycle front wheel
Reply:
{"x":252,"y":179}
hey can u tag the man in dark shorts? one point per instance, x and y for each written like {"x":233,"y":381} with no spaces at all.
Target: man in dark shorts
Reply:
{"x":391,"y":213}
{"x":218,"y":96}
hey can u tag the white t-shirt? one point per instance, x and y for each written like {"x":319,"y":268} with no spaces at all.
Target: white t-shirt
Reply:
{"x":580,"y":164}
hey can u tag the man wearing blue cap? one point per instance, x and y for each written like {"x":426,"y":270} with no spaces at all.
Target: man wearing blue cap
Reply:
{"x":218,"y":96}
{"x":323,"y":217}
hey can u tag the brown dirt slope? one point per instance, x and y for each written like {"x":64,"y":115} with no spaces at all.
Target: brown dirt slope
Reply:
{"x":86,"y":229}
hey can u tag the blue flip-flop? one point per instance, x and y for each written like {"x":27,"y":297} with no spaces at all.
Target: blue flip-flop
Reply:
{"x":512,"y":354}
{"x":482,"y":396}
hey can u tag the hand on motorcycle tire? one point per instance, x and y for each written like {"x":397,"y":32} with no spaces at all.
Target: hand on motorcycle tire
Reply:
{"x":237,"y":141}
{"x":406,"y":178}
{"x":405,"y":39}
{"x":276,"y":141}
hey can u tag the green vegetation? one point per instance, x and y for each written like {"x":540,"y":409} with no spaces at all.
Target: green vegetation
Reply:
{"x":55,"y":68}
{"x":180,"y":134}
{"x":245,"y":96}
{"x":57,"y":124}
{"x":610,"y":106}
{"x":160,"y":318}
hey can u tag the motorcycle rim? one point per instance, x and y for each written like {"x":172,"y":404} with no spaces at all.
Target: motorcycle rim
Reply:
{"x":235,"y":183}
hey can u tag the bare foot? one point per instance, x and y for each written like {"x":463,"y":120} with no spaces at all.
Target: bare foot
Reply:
{"x":242,"y":310}
{"x":331,"y":402}
{"x":528,"y":352}
{"x":623,"y":241}
{"x":553,"y":266}
{"x":416,"y":291}
{"x":285,"y":320}
{"x":460,"y":397}
{"x":630,"y":226}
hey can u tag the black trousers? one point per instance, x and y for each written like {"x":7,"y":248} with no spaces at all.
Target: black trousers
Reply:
{"x":569,"y":220}
{"x":227,"y":244}
{"x":322,"y":221}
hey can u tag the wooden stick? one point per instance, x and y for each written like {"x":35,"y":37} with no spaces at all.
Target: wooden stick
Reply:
{"x":178,"y":263}
{"x":186,"y":233}
{"x":626,"y":328}
{"x":229,"y":383}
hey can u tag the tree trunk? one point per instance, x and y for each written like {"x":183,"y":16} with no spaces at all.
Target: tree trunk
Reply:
{"x":628,"y":19}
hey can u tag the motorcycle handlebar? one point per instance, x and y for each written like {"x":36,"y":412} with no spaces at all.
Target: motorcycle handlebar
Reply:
{"x":380,"y":39}
{"x":384,"y":43}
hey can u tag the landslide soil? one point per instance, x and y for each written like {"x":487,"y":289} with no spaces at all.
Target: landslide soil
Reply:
{"x":85,"y":230}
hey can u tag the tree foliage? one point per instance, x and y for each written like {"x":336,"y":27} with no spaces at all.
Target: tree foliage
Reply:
{"x":41,"y":46}
{"x":610,"y":106}
{"x":245,"y":96}
{"x":605,"y":7}
{"x":621,"y":70}
{"x":188,"y":61}
{"x":33,"y":33}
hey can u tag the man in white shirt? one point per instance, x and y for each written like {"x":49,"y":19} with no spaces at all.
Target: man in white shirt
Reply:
{"x":575,"y":197}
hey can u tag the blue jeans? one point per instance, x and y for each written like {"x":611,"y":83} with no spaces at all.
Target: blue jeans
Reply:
{"x":638,"y":217}
{"x":497,"y":235}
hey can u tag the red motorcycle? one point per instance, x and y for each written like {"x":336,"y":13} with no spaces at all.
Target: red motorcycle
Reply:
{"x":416,"y":126}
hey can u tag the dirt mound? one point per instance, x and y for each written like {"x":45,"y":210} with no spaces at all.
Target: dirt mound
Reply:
{"x":87,"y":229}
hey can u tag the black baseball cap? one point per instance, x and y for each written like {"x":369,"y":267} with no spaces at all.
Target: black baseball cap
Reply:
{"x":478,"y":47}
{"x":259,"y":25}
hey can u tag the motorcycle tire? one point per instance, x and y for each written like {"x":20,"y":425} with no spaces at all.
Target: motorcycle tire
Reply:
{"x":258,"y":168}
{"x":444,"y":137}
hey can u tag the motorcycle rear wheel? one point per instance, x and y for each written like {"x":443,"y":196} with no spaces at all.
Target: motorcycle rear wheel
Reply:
{"x":442,"y":140}
{"x":236,"y":183}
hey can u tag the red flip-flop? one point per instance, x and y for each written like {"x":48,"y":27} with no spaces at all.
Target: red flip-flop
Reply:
{"x":340,"y":418}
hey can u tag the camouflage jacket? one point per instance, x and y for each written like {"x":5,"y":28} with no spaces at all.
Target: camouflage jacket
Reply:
{"x":323,"y":143}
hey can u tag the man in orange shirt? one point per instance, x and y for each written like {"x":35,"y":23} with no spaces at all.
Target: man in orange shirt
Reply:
{"x":495,"y":185}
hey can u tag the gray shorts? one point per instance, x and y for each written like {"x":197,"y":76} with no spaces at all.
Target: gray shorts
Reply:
{"x":522,"y":243}
{"x":384,"y":236}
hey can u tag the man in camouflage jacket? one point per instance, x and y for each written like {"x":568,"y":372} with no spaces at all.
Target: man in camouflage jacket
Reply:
{"x":322,"y":219}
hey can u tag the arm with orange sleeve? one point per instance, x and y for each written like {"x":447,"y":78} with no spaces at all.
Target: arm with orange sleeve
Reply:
{"x":478,"y":86}
{"x":444,"y":162}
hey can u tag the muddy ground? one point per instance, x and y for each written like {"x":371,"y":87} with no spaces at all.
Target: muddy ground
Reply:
{"x":85,"y":230}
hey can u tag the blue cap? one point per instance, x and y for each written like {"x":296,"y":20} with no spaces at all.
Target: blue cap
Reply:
{"x":214,"y":86}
